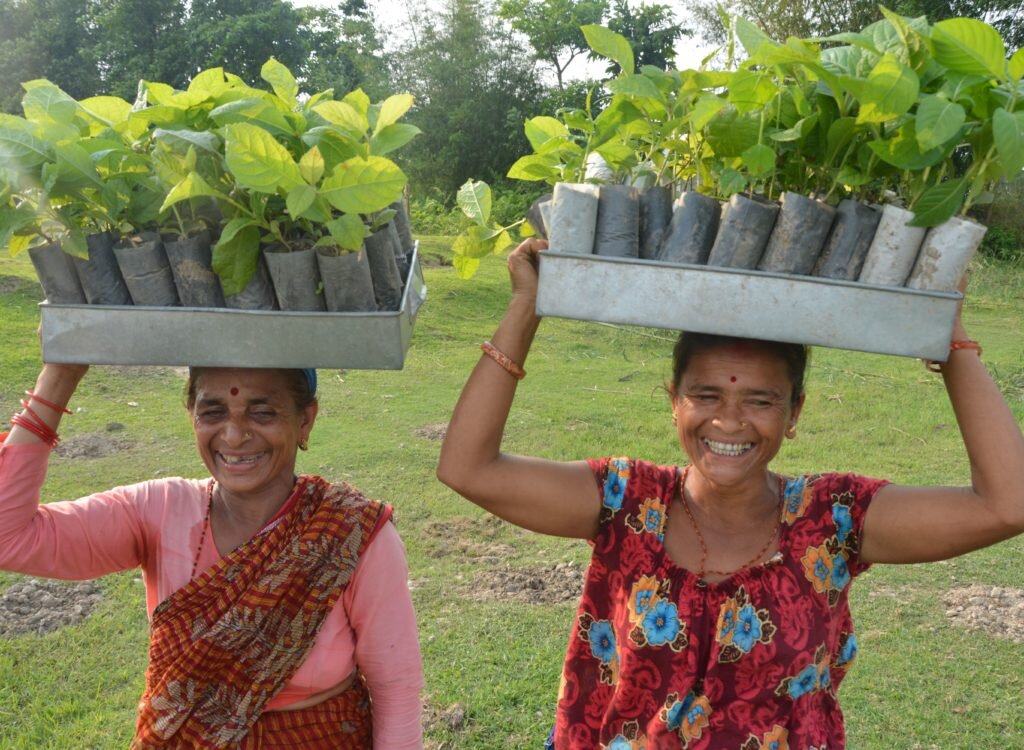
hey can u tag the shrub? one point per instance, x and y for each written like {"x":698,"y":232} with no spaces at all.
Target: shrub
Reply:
{"x":1004,"y":243}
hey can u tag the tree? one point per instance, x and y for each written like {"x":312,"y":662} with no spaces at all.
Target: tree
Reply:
{"x":473,"y":87}
{"x":652,"y":32}
{"x":553,"y":28}
{"x":140,"y":39}
{"x":345,"y":51}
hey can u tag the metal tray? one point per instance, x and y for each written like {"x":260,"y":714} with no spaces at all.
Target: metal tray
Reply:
{"x":751,"y":304}
{"x":220,"y":337}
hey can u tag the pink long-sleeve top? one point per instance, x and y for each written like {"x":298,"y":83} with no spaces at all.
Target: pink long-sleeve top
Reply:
{"x":157,"y":525}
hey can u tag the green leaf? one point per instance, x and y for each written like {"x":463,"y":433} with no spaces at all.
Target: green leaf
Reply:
{"x":474,"y":198}
{"x":634,"y":86}
{"x":358,"y":100}
{"x":1008,"y":134}
{"x":392,"y":110}
{"x":540,"y":130}
{"x":363,"y":185}
{"x":749,"y":91}
{"x":480,"y":241}
{"x":183,"y":139}
{"x":939,"y":203}
{"x":968,"y":45}
{"x":312,"y":166}
{"x":392,"y":138}
{"x":299,"y":200}
{"x":1015,"y":68}
{"x":334,"y":145}
{"x":904,"y":152}
{"x":348,"y":231}
{"x":345,"y":116}
{"x":47,"y":102}
{"x":253,"y":112}
{"x":75,"y":166}
{"x":110,"y":110}
{"x":22,"y":149}
{"x":281,"y":80}
{"x":731,"y":181}
{"x":750,"y":36}
{"x":19,"y":243}
{"x":465,"y":266}
{"x":258,"y":162}
{"x":799,"y":131}
{"x":890,"y":91}
{"x":208,"y":83}
{"x":938,"y":120}
{"x":236,"y":255}
{"x":73,"y":243}
{"x":730,"y":134}
{"x":535,"y":167}
{"x":193,"y":186}
{"x":852,"y":177}
{"x":610,"y":44}
{"x":759,"y":160}
{"x":706,"y":107}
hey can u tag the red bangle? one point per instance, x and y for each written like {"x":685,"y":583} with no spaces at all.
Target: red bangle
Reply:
{"x":44,"y":402}
{"x":42,"y":432}
{"x":504,"y":360}
{"x":936,"y":366}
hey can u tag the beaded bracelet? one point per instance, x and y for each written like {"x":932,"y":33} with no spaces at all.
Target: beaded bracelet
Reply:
{"x":504,"y":360}
{"x":936,"y":366}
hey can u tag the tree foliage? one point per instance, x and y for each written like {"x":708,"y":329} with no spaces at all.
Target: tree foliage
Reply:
{"x":90,"y":47}
{"x":473,"y":87}
{"x":652,"y":32}
{"x":553,"y":28}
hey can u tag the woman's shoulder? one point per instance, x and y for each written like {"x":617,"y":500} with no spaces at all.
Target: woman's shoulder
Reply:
{"x":627,"y":481}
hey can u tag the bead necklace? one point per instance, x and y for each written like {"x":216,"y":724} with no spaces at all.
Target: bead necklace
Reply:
{"x":202,"y":534}
{"x":702,"y":573}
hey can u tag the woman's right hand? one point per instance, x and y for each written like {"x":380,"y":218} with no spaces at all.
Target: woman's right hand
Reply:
{"x":523,"y":264}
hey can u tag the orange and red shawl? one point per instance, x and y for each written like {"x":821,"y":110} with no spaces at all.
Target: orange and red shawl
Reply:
{"x":226,"y":642}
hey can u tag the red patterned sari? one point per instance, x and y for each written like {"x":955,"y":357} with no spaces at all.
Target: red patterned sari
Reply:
{"x":225,"y":643}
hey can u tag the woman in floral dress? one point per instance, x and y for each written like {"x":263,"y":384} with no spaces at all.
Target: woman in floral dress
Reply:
{"x":715,"y":609}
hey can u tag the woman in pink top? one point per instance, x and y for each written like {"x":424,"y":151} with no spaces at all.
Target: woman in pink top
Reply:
{"x":279,"y":605}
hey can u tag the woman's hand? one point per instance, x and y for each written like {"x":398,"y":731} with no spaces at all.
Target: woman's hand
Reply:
{"x":523,"y":264}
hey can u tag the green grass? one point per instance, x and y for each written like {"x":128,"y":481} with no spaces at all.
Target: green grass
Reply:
{"x":592,"y":390}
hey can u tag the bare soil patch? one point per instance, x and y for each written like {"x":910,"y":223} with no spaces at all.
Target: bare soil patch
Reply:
{"x":995,"y":610}
{"x":91,"y":445}
{"x":539,"y":584}
{"x":432,"y":431}
{"x":9,"y":284}
{"x":37,"y":605}
{"x":434,"y":261}
{"x":453,"y":718}
{"x":472,"y":538}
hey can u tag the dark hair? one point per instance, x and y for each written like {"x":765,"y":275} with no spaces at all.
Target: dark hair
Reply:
{"x":296,"y":382}
{"x":795,"y":356}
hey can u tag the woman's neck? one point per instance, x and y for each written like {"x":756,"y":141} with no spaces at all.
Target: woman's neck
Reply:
{"x":732,"y":507}
{"x":248,"y":513}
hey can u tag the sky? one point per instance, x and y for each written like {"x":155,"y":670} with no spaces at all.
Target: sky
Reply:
{"x":393,"y":15}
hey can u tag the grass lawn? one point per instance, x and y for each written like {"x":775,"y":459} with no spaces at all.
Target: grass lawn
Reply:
{"x":592,"y":390}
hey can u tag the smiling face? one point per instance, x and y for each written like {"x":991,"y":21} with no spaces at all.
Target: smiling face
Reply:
{"x":733,"y":406}
{"x":248,"y":428}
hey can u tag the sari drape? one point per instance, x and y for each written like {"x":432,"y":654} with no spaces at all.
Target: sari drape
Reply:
{"x":225,"y":643}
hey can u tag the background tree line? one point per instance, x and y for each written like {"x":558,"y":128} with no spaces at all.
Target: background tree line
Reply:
{"x":478,"y":68}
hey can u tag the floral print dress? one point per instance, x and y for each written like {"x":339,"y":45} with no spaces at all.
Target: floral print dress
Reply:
{"x":658,"y":660}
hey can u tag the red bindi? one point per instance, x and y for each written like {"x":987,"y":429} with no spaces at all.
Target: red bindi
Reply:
{"x":732,"y":379}
{"x":234,"y":391}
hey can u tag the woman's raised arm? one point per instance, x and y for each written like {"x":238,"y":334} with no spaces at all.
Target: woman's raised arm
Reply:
{"x":922,"y":524}
{"x":54,"y":388}
{"x":550,"y":497}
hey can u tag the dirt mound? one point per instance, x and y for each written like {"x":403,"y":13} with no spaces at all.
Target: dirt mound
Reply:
{"x":90,"y":445}
{"x":9,"y":284}
{"x":542,"y":584}
{"x":454,"y":718}
{"x":994,"y":610}
{"x":432,"y":431}
{"x":36,"y":605}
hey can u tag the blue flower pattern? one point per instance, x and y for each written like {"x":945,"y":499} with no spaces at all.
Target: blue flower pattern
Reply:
{"x":843,"y":520}
{"x":615,"y":485}
{"x":793,"y":494}
{"x":840,"y":573}
{"x":747,"y":630}
{"x":661,"y":623}
{"x":602,"y":641}
{"x":849,"y":650}
{"x":804,"y":682}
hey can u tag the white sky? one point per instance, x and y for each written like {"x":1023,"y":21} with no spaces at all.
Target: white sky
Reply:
{"x":392,"y":16}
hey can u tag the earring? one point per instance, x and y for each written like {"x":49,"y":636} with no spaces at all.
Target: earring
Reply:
{"x":303,"y":445}
{"x":791,"y":432}
{"x":675,"y":417}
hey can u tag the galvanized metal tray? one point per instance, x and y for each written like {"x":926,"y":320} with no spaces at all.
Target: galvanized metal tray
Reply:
{"x":751,"y":304}
{"x":220,"y":337}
